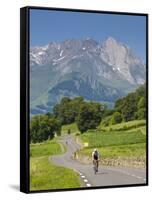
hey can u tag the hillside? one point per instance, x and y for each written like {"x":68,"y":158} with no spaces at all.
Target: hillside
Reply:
{"x":97,"y":71}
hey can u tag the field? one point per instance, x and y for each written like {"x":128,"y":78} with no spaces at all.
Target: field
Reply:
{"x":73,"y":128}
{"x":115,"y":138}
{"x":125,"y":142}
{"x":44,"y":174}
{"x":119,"y":145}
{"x":124,"y":125}
{"x":45,"y":149}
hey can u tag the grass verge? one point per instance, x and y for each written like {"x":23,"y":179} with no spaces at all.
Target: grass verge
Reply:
{"x":44,"y":175}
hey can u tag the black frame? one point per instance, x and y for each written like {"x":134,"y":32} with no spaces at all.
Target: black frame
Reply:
{"x":24,"y":97}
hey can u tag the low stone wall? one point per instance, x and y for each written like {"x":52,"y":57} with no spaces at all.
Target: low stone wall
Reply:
{"x":122,"y":162}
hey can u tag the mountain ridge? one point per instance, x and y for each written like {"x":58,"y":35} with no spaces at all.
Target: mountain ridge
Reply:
{"x":107,"y":70}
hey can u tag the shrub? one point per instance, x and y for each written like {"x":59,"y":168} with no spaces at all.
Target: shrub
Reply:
{"x":105,"y":121}
{"x":125,"y":127}
{"x":110,"y":129}
{"x":116,"y":118}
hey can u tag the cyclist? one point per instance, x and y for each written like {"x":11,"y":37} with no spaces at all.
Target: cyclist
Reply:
{"x":95,"y":158}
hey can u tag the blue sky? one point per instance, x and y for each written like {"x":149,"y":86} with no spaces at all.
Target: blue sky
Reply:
{"x":48,"y":25}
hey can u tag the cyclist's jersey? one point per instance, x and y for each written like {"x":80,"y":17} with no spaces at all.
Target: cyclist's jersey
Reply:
{"x":95,"y":155}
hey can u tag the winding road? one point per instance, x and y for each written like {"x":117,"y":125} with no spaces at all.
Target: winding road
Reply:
{"x":106,"y":176}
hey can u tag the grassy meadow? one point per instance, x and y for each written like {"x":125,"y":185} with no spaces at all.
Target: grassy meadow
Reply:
{"x":122,"y":144}
{"x":124,"y":126}
{"x":44,"y":174}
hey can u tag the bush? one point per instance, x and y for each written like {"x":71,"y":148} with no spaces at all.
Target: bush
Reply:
{"x":125,"y":127}
{"x":116,"y":118}
{"x":105,"y":121}
{"x":77,"y":134}
{"x":110,"y":129}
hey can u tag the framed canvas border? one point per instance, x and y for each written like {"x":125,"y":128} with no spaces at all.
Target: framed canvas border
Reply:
{"x":25,"y":97}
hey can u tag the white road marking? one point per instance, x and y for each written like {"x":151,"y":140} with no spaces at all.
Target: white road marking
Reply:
{"x":133,"y":175}
{"x":85,"y":180}
{"x":122,"y":171}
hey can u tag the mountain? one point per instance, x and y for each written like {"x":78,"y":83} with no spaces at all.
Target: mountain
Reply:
{"x":97,"y":71}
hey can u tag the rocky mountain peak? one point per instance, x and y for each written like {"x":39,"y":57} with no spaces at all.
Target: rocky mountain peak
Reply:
{"x":101,"y":72}
{"x":110,"y":41}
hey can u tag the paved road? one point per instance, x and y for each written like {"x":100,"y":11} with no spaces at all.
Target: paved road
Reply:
{"x":105,"y":177}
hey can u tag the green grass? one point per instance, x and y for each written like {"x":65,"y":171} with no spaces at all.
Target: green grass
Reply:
{"x":124,"y":125}
{"x":45,"y":149}
{"x":72,"y":127}
{"x":44,"y":174}
{"x":117,"y":127}
{"x":143,"y":130}
{"x":116,"y":144}
{"x":102,"y":139}
{"x":129,"y":150}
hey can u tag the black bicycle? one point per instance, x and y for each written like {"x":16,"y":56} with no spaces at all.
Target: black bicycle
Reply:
{"x":95,"y":166}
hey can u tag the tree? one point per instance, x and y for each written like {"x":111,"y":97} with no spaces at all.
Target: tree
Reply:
{"x":89,"y":116}
{"x":106,"y":121}
{"x":141,"y":91}
{"x":127,"y":106}
{"x":67,"y":110}
{"x":141,"y":113}
{"x":43,"y":127}
{"x":116,"y":118}
{"x":130,"y":105}
{"x":63,"y":111}
{"x":142,"y":103}
{"x":108,"y":112}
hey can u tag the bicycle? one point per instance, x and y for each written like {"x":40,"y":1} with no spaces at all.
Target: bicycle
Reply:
{"x":95,"y":166}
